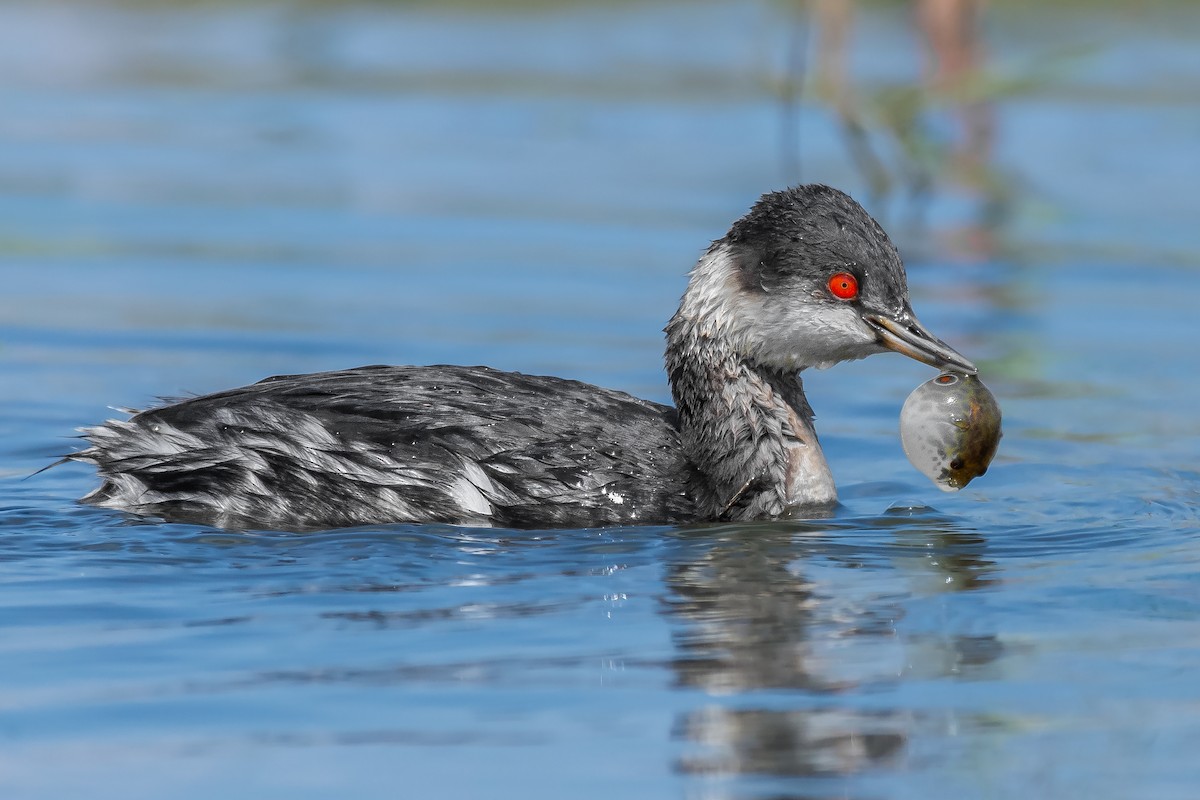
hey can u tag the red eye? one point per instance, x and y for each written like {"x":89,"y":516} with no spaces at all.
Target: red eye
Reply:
{"x":843,"y":285}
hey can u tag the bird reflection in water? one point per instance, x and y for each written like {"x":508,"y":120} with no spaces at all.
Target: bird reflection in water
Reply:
{"x":809,"y":620}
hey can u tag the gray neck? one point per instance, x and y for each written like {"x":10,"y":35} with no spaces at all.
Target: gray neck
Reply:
{"x":746,"y":428}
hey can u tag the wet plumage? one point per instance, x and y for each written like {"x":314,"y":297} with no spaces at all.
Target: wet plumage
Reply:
{"x":437,"y":444}
{"x":806,"y":278}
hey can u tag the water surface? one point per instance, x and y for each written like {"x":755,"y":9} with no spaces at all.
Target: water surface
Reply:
{"x":195,"y":196}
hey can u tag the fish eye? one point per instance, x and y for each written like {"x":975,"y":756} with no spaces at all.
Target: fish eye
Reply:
{"x":946,"y":379}
{"x":843,"y":285}
{"x":956,"y":464}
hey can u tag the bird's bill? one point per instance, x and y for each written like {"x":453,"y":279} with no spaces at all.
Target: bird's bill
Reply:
{"x":908,"y":336}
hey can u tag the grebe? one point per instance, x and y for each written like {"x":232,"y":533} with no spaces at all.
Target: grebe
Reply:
{"x":806,"y":279}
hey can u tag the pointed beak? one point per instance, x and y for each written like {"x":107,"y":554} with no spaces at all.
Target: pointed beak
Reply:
{"x":906,"y":335}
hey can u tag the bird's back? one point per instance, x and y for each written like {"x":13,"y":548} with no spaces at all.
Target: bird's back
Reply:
{"x":468,"y":445}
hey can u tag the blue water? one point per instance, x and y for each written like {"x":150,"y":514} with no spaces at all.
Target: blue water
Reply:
{"x":195,"y":196}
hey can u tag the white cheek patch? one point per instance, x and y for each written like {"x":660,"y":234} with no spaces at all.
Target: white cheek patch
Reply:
{"x":767,"y":328}
{"x":799,"y":336}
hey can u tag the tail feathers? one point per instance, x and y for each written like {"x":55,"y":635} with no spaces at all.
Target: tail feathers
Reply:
{"x":97,"y":453}
{"x":85,"y":456}
{"x":53,"y":464}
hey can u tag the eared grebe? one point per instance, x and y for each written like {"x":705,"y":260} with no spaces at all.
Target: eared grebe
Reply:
{"x":806,"y":279}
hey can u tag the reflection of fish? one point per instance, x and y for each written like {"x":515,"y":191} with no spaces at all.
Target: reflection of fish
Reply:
{"x":950,"y":427}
